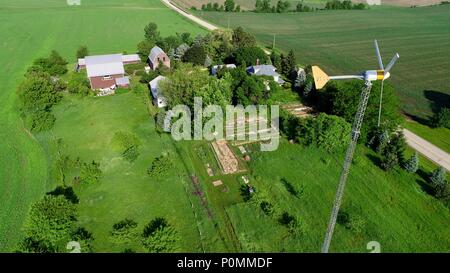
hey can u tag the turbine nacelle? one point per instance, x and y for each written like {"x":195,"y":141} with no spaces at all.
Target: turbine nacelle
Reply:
{"x":381,"y":74}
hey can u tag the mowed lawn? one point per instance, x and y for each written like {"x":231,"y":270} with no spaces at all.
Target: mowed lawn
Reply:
{"x":396,"y":210}
{"x":342,"y":42}
{"x":31,"y":29}
{"x":125,"y":190}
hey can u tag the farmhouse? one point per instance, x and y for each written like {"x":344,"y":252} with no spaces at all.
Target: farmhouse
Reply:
{"x":106,"y":72}
{"x":158,"y":99}
{"x":156,"y":57}
{"x":265,"y":70}
{"x":216,"y":68}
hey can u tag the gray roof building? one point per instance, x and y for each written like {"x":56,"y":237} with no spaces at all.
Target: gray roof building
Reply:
{"x":154,"y":53}
{"x":102,"y":65}
{"x":265,"y":70}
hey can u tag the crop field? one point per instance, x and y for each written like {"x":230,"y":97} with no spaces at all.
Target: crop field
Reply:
{"x":31,"y":29}
{"x":342,"y":42}
{"x":250,"y":4}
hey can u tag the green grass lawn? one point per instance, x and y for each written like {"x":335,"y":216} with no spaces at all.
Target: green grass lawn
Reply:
{"x":31,"y":29}
{"x":342,"y":42}
{"x":397,"y":211}
{"x":87,"y":127}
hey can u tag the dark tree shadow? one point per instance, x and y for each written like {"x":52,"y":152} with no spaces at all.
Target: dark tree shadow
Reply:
{"x":67,"y":192}
{"x":437,"y":101}
{"x":375,"y":160}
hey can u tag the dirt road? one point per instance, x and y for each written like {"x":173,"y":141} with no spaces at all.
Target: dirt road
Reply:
{"x":191,"y":17}
{"x":427,"y":149}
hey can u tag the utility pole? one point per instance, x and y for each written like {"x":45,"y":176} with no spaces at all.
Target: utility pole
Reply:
{"x":273,"y":43}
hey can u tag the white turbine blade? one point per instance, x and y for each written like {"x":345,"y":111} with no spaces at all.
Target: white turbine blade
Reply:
{"x":380,"y":61}
{"x":391,"y":64}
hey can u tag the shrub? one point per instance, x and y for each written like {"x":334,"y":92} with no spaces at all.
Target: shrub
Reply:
{"x":124,"y":230}
{"x":127,"y":143}
{"x":131,"y":153}
{"x":55,"y":65}
{"x":82,"y":52}
{"x":441,"y":118}
{"x":79,"y":84}
{"x":159,"y":236}
{"x":354,"y":221}
{"x":84,"y":238}
{"x":412,"y":164}
{"x":160,"y":166}
{"x":267,"y":208}
{"x":90,"y":172}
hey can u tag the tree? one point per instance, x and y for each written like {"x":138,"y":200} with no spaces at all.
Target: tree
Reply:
{"x":169,"y":42}
{"x":282,"y":6}
{"x":159,"y":236}
{"x":241,"y":38}
{"x":82,"y":52}
{"x":180,"y":51}
{"x":249,"y":56}
{"x":441,"y":118}
{"x":55,"y":65}
{"x":151,"y":32}
{"x":439,"y":183}
{"x":38,"y":93}
{"x":196,"y":55}
{"x":78,"y":84}
{"x":332,"y":132}
{"x":251,"y":91}
{"x":144,"y":48}
{"x":342,"y":99}
{"x":50,"y":221}
{"x":229,"y":5}
{"x":412,"y":164}
{"x":392,"y":154}
{"x":179,"y":89}
{"x":85,"y":238}
{"x":217,"y":91}
{"x":276,"y":60}
{"x":300,"y":80}
{"x":124,"y":230}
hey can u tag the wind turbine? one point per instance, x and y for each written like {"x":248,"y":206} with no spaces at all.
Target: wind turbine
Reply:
{"x":320,"y":80}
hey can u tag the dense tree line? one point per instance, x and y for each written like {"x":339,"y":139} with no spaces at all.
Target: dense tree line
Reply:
{"x":228,"y":6}
{"x":346,"y":4}
{"x":41,"y":90}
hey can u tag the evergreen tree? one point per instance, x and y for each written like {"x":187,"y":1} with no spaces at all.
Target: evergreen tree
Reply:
{"x":412,"y":164}
{"x":439,"y":183}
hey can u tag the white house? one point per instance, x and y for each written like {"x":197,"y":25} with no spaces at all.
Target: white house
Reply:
{"x":158,"y":99}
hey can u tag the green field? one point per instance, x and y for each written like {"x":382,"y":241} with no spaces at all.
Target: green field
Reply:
{"x":397,"y":211}
{"x":342,"y":42}
{"x":31,"y":29}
